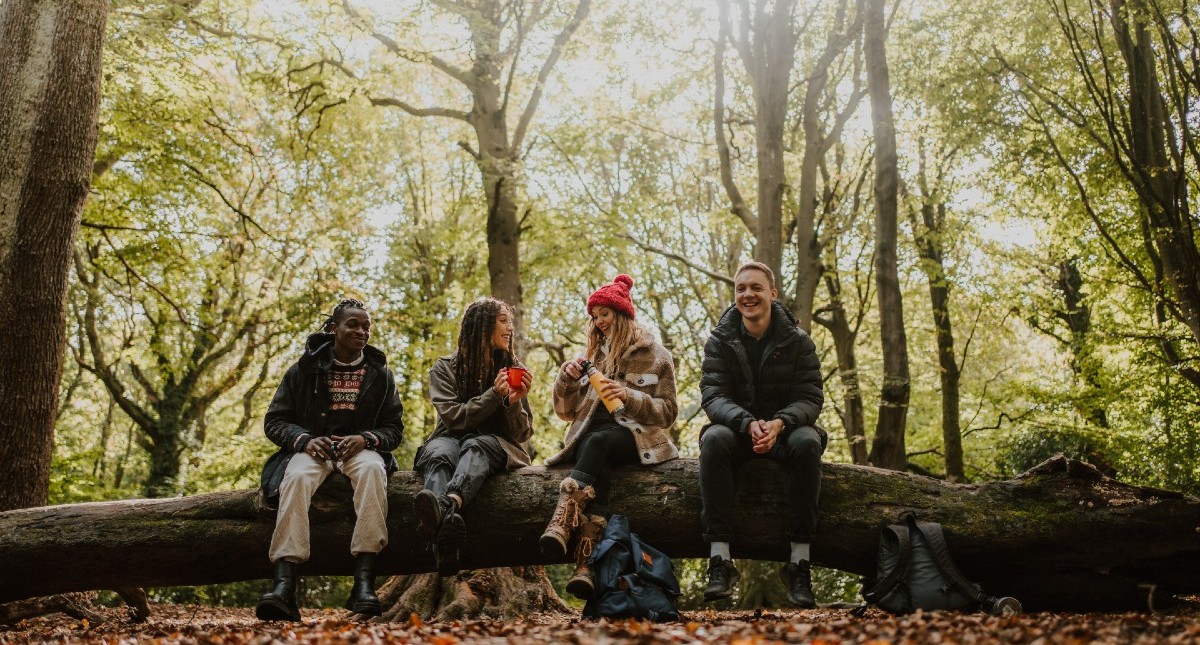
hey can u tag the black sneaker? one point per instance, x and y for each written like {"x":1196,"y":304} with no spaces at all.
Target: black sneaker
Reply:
{"x":722,"y":576}
{"x":451,"y":535}
{"x":797,"y":580}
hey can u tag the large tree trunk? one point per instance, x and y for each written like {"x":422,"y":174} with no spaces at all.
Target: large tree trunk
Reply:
{"x":49,"y":101}
{"x":1154,"y":156}
{"x":887,"y":448}
{"x":1060,"y":536}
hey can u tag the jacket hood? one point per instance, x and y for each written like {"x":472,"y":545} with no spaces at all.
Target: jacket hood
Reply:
{"x":318,"y":352}
{"x":730,"y":324}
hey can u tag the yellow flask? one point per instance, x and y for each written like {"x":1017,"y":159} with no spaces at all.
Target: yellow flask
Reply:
{"x":614,"y":406}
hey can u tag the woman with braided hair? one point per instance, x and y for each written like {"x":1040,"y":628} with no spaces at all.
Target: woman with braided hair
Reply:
{"x":483,"y":425}
{"x":336,"y":409}
{"x":638,"y":372}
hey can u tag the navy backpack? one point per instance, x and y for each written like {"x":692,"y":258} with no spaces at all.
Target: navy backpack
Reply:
{"x":632,"y":579}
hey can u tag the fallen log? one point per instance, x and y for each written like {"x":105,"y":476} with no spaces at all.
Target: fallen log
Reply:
{"x":1062,"y":536}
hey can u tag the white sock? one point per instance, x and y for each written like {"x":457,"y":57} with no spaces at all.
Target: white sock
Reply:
{"x":719,"y":548}
{"x":800,"y":551}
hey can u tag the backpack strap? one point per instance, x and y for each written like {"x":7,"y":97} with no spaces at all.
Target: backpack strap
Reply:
{"x":889,"y":582}
{"x":941,"y":554}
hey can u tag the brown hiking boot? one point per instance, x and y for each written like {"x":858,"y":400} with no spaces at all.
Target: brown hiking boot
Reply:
{"x":580,"y":585}
{"x":568,"y":514}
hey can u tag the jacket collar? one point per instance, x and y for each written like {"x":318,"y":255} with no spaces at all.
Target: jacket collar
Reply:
{"x":318,"y":353}
{"x":729,"y":328}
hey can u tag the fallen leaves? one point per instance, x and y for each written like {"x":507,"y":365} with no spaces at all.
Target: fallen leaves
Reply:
{"x":170,"y":624}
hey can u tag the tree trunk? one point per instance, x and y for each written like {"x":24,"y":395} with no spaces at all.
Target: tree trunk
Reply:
{"x":49,"y":101}
{"x":766,"y":44}
{"x":887,"y":448}
{"x":1077,"y":316}
{"x":816,"y":144}
{"x":502,"y":594}
{"x":939,"y":296}
{"x":770,"y":71}
{"x":844,"y":338}
{"x":1035,"y":537}
{"x":1152,"y":154}
{"x":929,"y":235}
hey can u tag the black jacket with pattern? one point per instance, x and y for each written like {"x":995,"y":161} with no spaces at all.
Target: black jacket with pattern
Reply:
{"x":301,"y":403}
{"x":789,"y":378}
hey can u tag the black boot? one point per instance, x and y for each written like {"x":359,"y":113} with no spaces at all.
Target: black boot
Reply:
{"x":797,"y":580}
{"x":722,"y":576}
{"x":450,"y":538}
{"x":431,"y":510}
{"x":362,"y":598}
{"x":280,"y":602}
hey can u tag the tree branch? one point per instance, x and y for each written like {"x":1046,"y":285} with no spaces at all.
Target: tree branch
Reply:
{"x":560,"y":41}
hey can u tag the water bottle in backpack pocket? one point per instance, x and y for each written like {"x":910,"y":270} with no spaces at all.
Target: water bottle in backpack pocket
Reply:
{"x":632,"y":579}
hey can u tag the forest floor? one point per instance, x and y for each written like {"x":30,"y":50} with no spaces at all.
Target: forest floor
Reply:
{"x":235,"y":626}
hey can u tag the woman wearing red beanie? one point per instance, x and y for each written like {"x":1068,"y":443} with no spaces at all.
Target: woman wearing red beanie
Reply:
{"x":639,"y":373}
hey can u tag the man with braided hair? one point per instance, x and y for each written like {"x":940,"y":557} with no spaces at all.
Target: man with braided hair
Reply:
{"x":337,"y":409}
{"x":483,"y":425}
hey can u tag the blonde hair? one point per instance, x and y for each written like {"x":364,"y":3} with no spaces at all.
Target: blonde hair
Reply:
{"x":757,"y":266}
{"x":623,"y":334}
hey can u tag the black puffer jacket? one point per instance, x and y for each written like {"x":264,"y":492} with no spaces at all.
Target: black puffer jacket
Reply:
{"x":789,"y":383}
{"x":302,"y":400}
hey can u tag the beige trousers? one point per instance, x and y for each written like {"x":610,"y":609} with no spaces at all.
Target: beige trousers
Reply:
{"x":304,"y":474}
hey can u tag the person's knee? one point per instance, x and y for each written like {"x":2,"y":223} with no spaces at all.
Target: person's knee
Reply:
{"x":804,"y":444}
{"x":472,"y":444}
{"x":369,"y":463}
{"x":442,"y":451}
{"x":296,"y":474}
{"x":592,"y":443}
{"x":718,"y":442}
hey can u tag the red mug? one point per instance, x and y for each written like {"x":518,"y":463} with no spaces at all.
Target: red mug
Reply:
{"x":515,"y":375}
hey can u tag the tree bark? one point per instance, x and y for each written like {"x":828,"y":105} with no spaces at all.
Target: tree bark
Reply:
{"x":816,"y":145}
{"x":1076,"y":314}
{"x":1036,"y":537}
{"x":1155,"y":159}
{"x":929,"y":235}
{"x":766,"y":44}
{"x":844,"y":338}
{"x":887,"y":448}
{"x":500,"y":593}
{"x":49,"y":102}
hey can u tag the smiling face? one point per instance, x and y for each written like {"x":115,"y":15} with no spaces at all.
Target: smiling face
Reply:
{"x":351,"y":331}
{"x":754,"y":295}
{"x":603,"y":319}
{"x":502,"y":332}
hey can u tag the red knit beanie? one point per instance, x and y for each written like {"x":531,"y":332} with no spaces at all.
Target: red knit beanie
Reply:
{"x":614,"y":295}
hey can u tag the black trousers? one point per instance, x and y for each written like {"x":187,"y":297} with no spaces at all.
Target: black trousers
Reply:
{"x":722,"y":449}
{"x":460,"y":465}
{"x":595,"y":455}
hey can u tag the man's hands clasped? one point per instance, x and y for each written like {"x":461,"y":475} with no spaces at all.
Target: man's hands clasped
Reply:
{"x":764,"y":434}
{"x":335,"y":448}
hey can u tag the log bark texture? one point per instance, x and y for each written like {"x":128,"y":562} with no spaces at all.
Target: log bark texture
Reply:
{"x":1062,"y":536}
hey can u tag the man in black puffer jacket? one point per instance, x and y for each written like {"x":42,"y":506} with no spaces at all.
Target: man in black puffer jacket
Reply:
{"x":337,"y":409}
{"x":761,"y":388}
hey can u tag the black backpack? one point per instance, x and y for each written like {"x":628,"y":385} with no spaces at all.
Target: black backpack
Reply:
{"x":632,"y":579}
{"x":916,"y":572}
